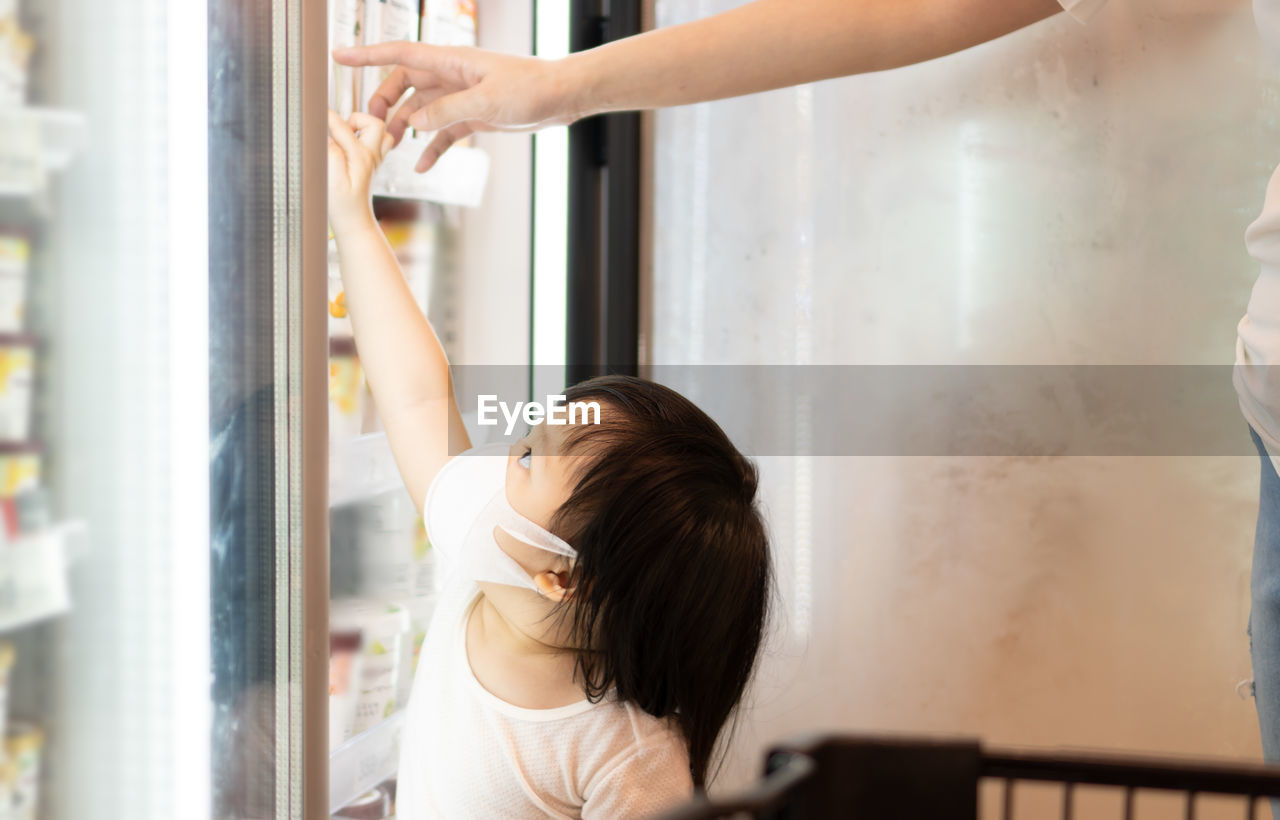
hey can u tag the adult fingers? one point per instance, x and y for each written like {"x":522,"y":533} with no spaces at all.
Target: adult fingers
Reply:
{"x":389,"y":91}
{"x":401,"y":52}
{"x":399,"y":121}
{"x":461,"y":106}
{"x":442,"y":142}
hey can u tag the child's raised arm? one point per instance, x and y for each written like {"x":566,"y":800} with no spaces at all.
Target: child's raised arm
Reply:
{"x":406,"y":368}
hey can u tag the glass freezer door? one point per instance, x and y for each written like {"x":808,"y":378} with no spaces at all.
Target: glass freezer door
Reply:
{"x":153,"y":191}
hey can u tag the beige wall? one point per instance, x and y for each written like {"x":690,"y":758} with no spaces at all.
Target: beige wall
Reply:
{"x":1070,"y":195}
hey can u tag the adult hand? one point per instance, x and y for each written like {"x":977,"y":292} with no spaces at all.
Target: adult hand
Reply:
{"x":458,"y":91}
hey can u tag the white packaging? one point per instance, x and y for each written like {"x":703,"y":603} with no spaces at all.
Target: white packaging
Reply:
{"x":15,"y":55}
{"x":346,"y":30}
{"x":449,"y":22}
{"x":384,"y":630}
{"x":385,"y":21}
{"x":421,"y":610}
{"x":15,"y":254}
{"x":386,"y":547}
{"x":17,"y":375}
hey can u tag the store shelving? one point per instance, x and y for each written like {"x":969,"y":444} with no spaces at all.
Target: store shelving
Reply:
{"x":364,"y":761}
{"x":36,"y":143}
{"x":457,"y":178}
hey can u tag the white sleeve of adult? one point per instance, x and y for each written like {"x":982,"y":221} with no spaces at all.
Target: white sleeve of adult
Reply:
{"x":1082,"y":10}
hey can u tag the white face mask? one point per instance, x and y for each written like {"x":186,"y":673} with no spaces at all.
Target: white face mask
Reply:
{"x":466,"y":501}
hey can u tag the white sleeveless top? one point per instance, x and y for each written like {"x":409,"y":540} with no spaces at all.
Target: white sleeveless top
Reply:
{"x":466,"y":753}
{"x":1257,"y":371}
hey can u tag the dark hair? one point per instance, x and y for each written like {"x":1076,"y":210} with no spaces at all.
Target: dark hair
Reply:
{"x":673,"y":572}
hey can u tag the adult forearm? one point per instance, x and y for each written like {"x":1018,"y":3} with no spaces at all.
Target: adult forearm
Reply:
{"x":770,"y":44}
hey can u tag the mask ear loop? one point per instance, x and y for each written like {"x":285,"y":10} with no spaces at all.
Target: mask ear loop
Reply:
{"x":557,"y":546}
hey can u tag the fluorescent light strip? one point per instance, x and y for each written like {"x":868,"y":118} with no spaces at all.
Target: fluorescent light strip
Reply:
{"x":550,"y":220}
{"x":188,"y":331}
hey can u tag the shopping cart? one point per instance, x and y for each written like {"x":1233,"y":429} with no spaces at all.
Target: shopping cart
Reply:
{"x":879,"y":778}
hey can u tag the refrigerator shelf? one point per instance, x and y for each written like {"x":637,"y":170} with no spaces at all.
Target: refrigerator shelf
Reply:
{"x":362,"y":468}
{"x":364,"y":761}
{"x":458,"y":177}
{"x":33,"y":575}
{"x":39,"y":141}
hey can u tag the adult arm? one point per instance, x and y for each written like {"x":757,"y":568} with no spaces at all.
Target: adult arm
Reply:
{"x":760,"y":46}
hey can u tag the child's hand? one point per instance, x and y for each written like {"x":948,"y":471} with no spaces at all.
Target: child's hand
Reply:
{"x":353,"y":157}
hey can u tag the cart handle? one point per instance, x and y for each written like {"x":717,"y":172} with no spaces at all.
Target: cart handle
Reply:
{"x":769,"y":793}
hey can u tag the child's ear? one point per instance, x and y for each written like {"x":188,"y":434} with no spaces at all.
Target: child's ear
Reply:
{"x":552,"y":585}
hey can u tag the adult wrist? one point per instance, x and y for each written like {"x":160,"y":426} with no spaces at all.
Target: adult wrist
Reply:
{"x":576,"y":83}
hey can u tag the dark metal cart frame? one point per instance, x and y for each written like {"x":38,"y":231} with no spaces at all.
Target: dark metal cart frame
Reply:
{"x":895,"y":778}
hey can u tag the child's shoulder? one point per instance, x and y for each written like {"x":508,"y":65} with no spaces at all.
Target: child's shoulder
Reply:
{"x":645,"y":771}
{"x":624,"y":729}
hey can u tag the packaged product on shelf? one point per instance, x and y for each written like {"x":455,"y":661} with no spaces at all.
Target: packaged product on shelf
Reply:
{"x":17,"y":374}
{"x":7,"y":656}
{"x":423,"y":582}
{"x":420,"y":612}
{"x":386,"y":561}
{"x":16,"y":47}
{"x":347,"y":30}
{"x":19,"y":471}
{"x":24,"y":745}
{"x":346,"y":390}
{"x":15,"y":255}
{"x":339,"y":320}
{"x":374,"y":804}
{"x":8,"y":786}
{"x":413,"y":241}
{"x":34,"y":510}
{"x":449,"y":22}
{"x":385,"y":21}
{"x":383,"y":628}
{"x":344,"y":678}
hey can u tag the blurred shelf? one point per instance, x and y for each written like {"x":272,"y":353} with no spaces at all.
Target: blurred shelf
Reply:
{"x":33,"y":575}
{"x":458,"y":177}
{"x":37,"y":142}
{"x":362,"y":468}
{"x":364,"y":761}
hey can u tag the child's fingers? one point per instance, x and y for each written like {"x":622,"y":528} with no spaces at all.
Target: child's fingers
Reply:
{"x":356,"y":156}
{"x":337,"y":161}
{"x":369,"y":130}
{"x":337,"y":124}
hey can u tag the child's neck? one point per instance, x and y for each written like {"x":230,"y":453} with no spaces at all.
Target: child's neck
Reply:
{"x":514,"y":658}
{"x":506,"y":634}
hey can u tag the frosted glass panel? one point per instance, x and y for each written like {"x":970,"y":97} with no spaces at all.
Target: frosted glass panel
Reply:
{"x":1070,"y":195}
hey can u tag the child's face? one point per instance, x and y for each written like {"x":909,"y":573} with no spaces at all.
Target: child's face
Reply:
{"x":539,"y":481}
